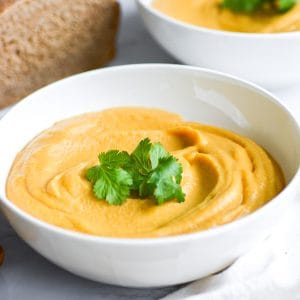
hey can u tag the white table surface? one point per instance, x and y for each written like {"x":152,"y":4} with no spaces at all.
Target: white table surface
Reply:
{"x":26,"y":275}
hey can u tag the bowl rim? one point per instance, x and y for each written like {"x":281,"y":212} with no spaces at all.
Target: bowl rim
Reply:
{"x":202,"y":29}
{"x":211,"y":232}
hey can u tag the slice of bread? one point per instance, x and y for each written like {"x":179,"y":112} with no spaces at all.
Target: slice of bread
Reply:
{"x":44,"y":40}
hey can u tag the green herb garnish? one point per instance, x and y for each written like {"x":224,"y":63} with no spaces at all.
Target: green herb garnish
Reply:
{"x":250,"y":6}
{"x":285,"y":5}
{"x":148,"y":172}
{"x":242,"y":5}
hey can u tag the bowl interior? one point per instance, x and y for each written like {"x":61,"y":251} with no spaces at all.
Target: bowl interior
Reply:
{"x":198,"y":95}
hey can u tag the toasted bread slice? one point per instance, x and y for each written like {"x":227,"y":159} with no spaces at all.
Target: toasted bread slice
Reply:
{"x":45,"y":40}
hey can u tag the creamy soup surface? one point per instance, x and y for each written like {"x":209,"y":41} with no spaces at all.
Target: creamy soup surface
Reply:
{"x":225,"y":175}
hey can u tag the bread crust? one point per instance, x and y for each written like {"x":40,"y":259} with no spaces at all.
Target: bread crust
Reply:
{"x":4,"y":4}
{"x":45,"y":40}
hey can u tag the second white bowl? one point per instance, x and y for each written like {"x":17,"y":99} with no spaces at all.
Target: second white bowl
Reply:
{"x":271,"y":60}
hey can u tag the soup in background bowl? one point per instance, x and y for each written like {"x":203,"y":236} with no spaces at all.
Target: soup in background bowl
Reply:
{"x":211,"y":14}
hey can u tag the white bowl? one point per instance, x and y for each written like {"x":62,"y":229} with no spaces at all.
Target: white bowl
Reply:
{"x":271,"y":60}
{"x":198,"y":95}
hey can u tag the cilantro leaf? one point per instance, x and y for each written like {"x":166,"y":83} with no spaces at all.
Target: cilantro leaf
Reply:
{"x":156,"y":153}
{"x":243,"y":5}
{"x":168,"y":167}
{"x":110,"y":181}
{"x":114,"y":158}
{"x":165,"y":180}
{"x":140,"y":157}
{"x":250,"y":6}
{"x":166,"y":189}
{"x":113,"y":185}
{"x":284,"y":5}
{"x":93,"y":173}
{"x":144,"y":159}
{"x":150,"y":171}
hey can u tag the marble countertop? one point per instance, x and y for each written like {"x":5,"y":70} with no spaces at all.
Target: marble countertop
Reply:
{"x":26,"y":275}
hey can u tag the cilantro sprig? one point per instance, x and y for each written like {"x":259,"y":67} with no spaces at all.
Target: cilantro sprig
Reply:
{"x":250,"y":6}
{"x":110,"y":181}
{"x":148,"y":172}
